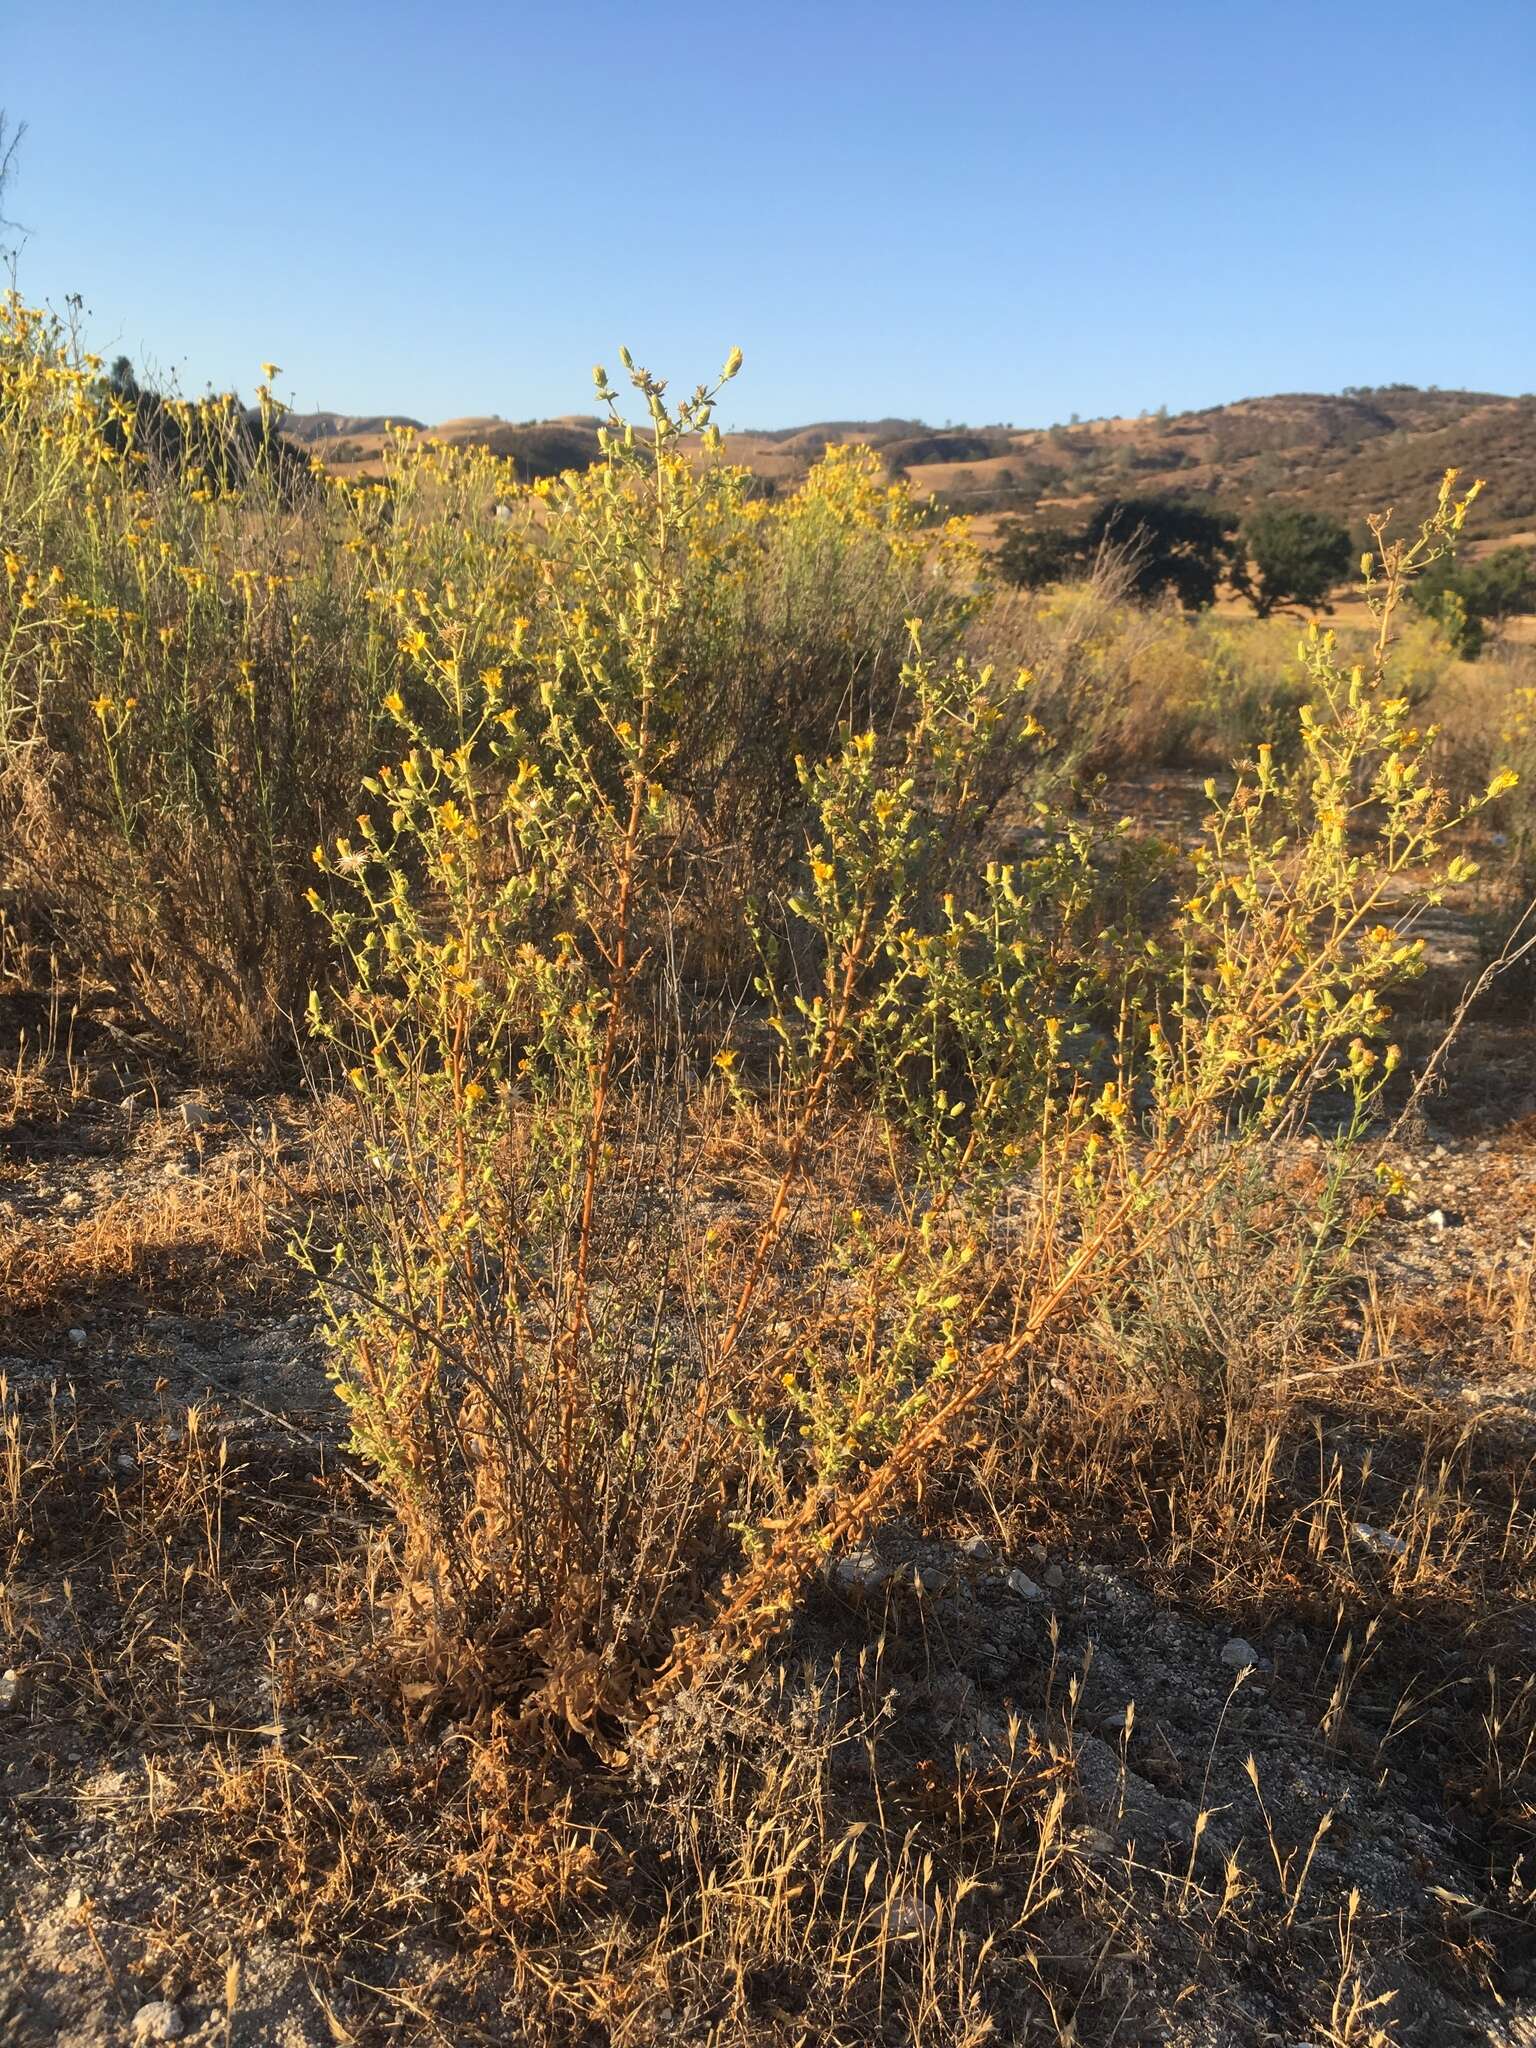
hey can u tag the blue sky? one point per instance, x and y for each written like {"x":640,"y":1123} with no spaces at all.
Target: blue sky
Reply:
{"x":999,"y":212}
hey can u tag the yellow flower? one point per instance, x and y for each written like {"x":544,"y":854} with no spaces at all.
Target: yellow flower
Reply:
{"x":102,"y":705}
{"x":394,"y":704}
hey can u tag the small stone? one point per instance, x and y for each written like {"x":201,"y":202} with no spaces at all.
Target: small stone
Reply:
{"x":197,"y":1115}
{"x":1239,"y":1655}
{"x":312,"y":1603}
{"x":124,"y":1462}
{"x":929,"y":1581}
{"x":72,"y":1202}
{"x":1094,"y":1844}
{"x":1054,"y":1577}
{"x":10,"y":1692}
{"x":977,"y":1548}
{"x":1382,"y":1541}
{"x":160,"y":2020}
{"x":77,"y":1337}
{"x":1022,"y":1586}
{"x":912,"y":1916}
{"x":1435,"y":1220}
{"x":858,"y":1571}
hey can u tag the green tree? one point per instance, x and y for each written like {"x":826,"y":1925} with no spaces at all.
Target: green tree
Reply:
{"x":1032,"y":556}
{"x":1169,"y":544}
{"x":1295,"y":557}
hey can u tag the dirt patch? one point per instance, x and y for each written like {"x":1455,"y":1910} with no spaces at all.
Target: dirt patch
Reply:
{"x":1107,"y":1765}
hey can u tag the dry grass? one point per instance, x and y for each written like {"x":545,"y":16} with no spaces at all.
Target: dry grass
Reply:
{"x":815,"y":1444}
{"x":950,"y":1817}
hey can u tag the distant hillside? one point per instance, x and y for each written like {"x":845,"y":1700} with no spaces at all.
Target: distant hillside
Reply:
{"x":316,"y":427}
{"x":1348,"y":454}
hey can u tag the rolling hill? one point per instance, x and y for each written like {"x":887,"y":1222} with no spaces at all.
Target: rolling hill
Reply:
{"x":1348,"y":453}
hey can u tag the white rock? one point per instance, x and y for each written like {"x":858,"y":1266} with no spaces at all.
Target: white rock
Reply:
{"x":1239,"y":1655}
{"x":10,"y":1692}
{"x":160,"y":2020}
{"x":1382,"y":1541}
{"x":912,"y":1916}
{"x":1022,"y":1586}
{"x":858,"y":1571}
{"x":1435,"y":1220}
{"x":1094,"y":1843}
{"x":77,"y":1337}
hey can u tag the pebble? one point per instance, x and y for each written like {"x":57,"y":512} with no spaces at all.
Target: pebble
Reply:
{"x":1095,"y":1844}
{"x":859,"y":1570}
{"x":1054,"y":1577}
{"x":1382,"y":1541}
{"x":929,"y":1581}
{"x":10,"y":1692}
{"x":977,"y":1548}
{"x":77,"y":1337}
{"x":160,"y":2020}
{"x":1023,"y":1586}
{"x":1238,"y":1655}
{"x":912,"y":1916}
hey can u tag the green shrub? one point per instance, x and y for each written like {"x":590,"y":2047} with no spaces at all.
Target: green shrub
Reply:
{"x":639,"y":1317}
{"x":1463,"y":597}
{"x":188,"y":675}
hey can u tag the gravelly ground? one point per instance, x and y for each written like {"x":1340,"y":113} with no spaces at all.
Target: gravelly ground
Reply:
{"x":987,"y":1636}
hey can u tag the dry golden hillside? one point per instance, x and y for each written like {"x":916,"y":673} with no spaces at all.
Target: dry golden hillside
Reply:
{"x":1345,"y":454}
